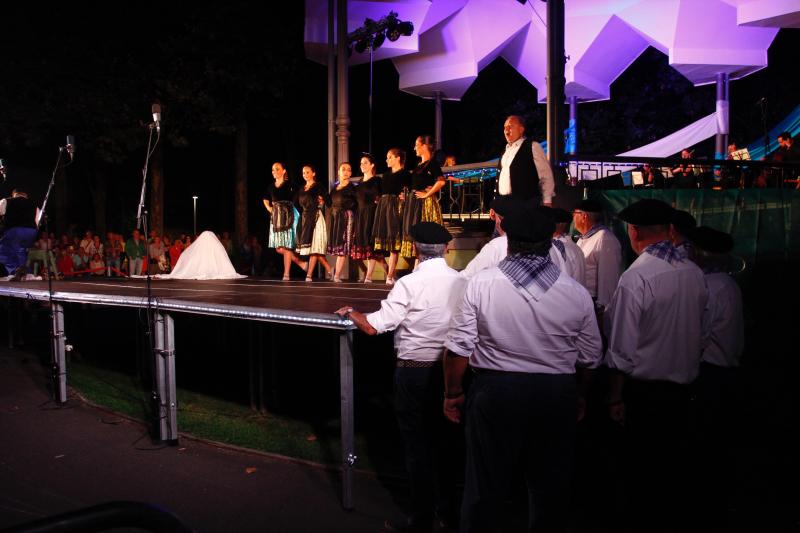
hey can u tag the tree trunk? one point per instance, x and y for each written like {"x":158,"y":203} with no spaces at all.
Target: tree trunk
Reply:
{"x":156,"y":220}
{"x":240,"y":187}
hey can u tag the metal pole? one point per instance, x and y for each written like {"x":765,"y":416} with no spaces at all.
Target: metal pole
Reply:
{"x":346,"y":397}
{"x":555,"y":81}
{"x":165,"y":377}
{"x":58,"y":352}
{"x":723,"y":115}
{"x":437,"y":120}
{"x":371,"y":50}
{"x":331,"y":89}
{"x":194,"y":211}
{"x":343,"y":118}
{"x":572,"y":129}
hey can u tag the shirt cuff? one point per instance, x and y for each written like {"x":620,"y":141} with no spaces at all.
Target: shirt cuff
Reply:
{"x":457,"y":349}
{"x":374,"y":320}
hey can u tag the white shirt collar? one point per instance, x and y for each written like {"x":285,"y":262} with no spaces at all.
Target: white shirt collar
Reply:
{"x":515,"y":144}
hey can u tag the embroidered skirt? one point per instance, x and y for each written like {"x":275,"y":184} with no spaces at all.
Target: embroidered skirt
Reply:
{"x":388,"y":226}
{"x":340,"y":237}
{"x":417,"y":210}
{"x":285,"y":238}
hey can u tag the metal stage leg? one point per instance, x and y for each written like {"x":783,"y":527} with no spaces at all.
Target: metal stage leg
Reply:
{"x":58,"y":353}
{"x":165,"y":377}
{"x":348,"y":438}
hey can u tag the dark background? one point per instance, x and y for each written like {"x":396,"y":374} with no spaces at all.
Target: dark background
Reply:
{"x":93,"y":70}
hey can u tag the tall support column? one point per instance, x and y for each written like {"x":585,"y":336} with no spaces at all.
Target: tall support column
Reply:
{"x":58,"y":353}
{"x":572,"y":128}
{"x":347,"y":415}
{"x":723,"y":115}
{"x":331,"y":89}
{"x":165,"y":377}
{"x":555,"y":81}
{"x":343,"y":117}
{"x":437,"y":120}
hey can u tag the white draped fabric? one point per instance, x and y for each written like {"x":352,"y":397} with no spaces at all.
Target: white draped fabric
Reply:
{"x":692,"y":134}
{"x":205,"y":258}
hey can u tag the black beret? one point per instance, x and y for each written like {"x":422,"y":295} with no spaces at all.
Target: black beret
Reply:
{"x":502,"y":205}
{"x":683,"y":221}
{"x":528,"y":224}
{"x":647,"y":212}
{"x":561,"y":215}
{"x":430,"y":233}
{"x":589,"y":206}
{"x":711,"y":240}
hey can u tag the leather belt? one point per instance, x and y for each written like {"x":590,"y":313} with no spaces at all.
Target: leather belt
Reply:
{"x":409,"y":363}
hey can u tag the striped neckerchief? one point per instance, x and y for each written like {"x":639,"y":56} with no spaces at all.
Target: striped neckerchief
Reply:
{"x":533,"y":275}
{"x":595,"y":229}
{"x":561,"y":247}
{"x":666,"y":251}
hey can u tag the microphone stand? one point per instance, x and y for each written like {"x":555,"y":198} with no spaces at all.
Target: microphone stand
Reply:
{"x":54,"y":334}
{"x":141,"y":224}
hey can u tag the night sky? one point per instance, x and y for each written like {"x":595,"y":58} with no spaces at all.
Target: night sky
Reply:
{"x":93,"y":70}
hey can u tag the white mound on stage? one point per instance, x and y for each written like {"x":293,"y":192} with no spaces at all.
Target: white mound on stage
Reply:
{"x":205,"y":258}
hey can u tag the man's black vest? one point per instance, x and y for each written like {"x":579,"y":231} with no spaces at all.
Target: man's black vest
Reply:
{"x":524,"y":177}
{"x":20,"y":212}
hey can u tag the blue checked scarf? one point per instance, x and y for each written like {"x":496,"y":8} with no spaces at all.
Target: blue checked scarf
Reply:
{"x":527,"y":271}
{"x":561,"y":247}
{"x":664,"y":250}
{"x":595,"y":229}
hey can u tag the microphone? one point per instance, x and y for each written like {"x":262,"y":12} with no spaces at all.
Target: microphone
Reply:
{"x":156,"y":109}
{"x":71,"y":146}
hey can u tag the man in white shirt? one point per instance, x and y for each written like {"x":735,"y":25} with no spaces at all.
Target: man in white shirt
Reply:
{"x":655,"y":331}
{"x":496,"y":249}
{"x":574,"y":263}
{"x":601,"y":249}
{"x":418,"y":309}
{"x":522,"y":327}
{"x":525,"y":172}
{"x":716,"y":385}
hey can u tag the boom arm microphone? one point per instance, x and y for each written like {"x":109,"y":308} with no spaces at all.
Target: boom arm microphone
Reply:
{"x":71,"y":146}
{"x":156,"y":109}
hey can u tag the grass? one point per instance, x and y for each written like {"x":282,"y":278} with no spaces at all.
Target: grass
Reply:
{"x":210,"y":418}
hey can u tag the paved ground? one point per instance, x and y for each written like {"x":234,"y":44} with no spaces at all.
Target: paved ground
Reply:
{"x":58,"y":459}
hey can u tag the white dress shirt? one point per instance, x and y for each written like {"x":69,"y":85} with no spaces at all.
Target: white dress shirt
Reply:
{"x":655,"y":323}
{"x":725,"y":321}
{"x":419,"y":308}
{"x":495,"y":251}
{"x":497,"y":329}
{"x":603,"y":255}
{"x":575,"y":264}
{"x":546,"y":181}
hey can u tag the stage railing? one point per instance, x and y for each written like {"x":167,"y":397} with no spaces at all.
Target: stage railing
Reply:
{"x":468,"y":191}
{"x":617,"y":172}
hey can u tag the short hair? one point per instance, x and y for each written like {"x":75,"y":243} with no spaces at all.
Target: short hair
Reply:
{"x":518,"y":118}
{"x":399,"y":153}
{"x":430,"y":250}
{"x":541,"y":248}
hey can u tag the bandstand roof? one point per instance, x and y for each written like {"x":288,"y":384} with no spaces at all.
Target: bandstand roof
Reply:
{"x":454,"y":39}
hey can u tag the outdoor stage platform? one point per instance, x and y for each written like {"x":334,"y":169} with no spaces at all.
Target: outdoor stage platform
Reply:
{"x":300,"y":303}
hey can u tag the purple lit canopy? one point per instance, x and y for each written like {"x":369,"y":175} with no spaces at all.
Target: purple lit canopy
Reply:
{"x":454,"y":39}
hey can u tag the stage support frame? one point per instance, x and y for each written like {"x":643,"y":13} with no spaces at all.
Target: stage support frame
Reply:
{"x":164,"y":355}
{"x":58,"y":353}
{"x":347,"y":415}
{"x":723,"y":115}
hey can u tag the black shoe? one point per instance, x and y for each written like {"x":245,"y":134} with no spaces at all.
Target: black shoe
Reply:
{"x":407,"y":525}
{"x":19,"y":273}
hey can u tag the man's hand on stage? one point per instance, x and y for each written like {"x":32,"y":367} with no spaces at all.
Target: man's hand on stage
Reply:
{"x":359,"y":319}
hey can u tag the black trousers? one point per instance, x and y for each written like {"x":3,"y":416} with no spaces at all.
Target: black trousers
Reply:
{"x":659,"y":461}
{"x":519,"y":422}
{"x":429,"y":441}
